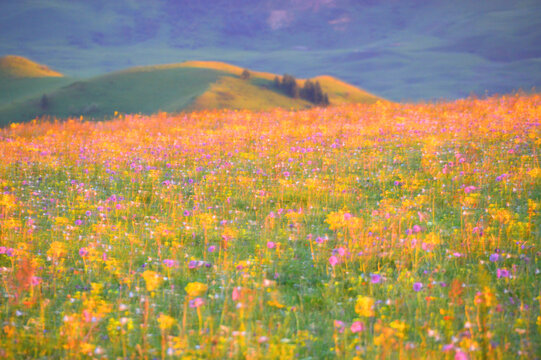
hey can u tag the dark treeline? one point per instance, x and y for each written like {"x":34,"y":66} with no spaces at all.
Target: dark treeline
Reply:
{"x":311,"y":90}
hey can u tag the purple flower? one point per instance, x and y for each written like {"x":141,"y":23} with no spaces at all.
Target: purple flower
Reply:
{"x":83,"y":252}
{"x":417,"y":286}
{"x":212,"y":248}
{"x":320,"y":240}
{"x":375,"y":278}
{"x":170,"y":263}
{"x":448,"y":347}
{"x":502,"y":273}
{"x":78,"y":222}
{"x":494,"y":257}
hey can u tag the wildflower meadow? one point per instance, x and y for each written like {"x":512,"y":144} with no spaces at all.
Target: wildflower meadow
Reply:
{"x":383,"y":231}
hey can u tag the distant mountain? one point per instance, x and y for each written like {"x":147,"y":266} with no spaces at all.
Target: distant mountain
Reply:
{"x":401,"y":49}
{"x":194,"y":85}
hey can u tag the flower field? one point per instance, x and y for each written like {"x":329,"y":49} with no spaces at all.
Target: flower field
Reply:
{"x":352,"y":232}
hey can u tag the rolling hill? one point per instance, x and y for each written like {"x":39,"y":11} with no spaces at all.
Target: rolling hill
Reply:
{"x":193,"y":85}
{"x":21,"y":78}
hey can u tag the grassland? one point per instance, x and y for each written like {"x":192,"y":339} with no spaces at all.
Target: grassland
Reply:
{"x":356,"y":232}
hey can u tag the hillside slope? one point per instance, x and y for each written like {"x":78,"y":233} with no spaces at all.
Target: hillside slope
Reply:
{"x":194,"y":85}
{"x":21,"y":78}
{"x":21,"y":67}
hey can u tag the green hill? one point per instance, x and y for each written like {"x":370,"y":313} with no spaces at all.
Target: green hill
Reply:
{"x":22,"y":79}
{"x":186,"y":86}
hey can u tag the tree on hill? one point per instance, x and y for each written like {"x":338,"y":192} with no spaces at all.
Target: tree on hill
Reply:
{"x":289,"y":85}
{"x":276,"y":81}
{"x":245,"y":74}
{"x":44,"y":102}
{"x":311,"y":91}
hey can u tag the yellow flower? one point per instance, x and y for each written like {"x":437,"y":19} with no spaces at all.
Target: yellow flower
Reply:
{"x":400,"y":328}
{"x":56,"y":250}
{"x":165,"y":321}
{"x":195,"y":289}
{"x":365,"y":306}
{"x":205,"y":220}
{"x":275,"y":304}
{"x":152,"y":279}
{"x":86,"y":348}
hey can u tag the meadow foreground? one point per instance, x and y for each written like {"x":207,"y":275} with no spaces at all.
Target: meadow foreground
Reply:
{"x":359,"y":231}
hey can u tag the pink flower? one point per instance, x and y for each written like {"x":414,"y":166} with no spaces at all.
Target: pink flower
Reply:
{"x":236,"y":294}
{"x":212,"y":248}
{"x":339,"y":325}
{"x":357,"y":326}
{"x":271,"y":244}
{"x":197,"y":302}
{"x":459,"y":355}
{"x":375,"y":278}
{"x":416,"y":228}
{"x":333,"y":260}
{"x":262,"y":339}
{"x":83,"y":252}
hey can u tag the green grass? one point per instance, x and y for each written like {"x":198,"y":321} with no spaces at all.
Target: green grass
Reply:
{"x":18,"y":89}
{"x":136,"y":91}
